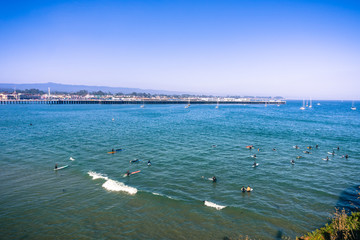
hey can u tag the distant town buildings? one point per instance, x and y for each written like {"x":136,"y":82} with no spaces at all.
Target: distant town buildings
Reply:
{"x":35,"y":95}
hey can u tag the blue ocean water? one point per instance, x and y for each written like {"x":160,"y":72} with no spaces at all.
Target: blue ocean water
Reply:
{"x":91,"y":199}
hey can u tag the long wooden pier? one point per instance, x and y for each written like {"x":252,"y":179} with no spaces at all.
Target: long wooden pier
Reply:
{"x":55,"y":102}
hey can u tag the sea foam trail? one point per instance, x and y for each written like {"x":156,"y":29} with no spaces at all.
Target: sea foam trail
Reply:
{"x":95,"y":175}
{"x":210,"y":204}
{"x":115,"y":186}
{"x":162,"y":195}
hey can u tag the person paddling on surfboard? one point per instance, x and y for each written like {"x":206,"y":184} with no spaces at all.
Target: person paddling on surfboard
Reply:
{"x":127,"y":173}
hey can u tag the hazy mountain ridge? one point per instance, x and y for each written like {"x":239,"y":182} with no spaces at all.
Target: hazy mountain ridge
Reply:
{"x":74,"y":88}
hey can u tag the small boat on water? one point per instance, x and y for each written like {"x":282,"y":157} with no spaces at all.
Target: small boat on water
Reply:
{"x":303,"y":106}
{"x":353,"y":106}
{"x":187,"y":106}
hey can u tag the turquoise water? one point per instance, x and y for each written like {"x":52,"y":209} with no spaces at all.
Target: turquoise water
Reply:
{"x":92,"y":200}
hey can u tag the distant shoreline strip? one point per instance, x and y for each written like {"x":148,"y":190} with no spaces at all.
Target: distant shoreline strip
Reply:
{"x":62,"y":102}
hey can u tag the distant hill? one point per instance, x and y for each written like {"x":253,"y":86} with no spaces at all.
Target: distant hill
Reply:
{"x":74,"y":88}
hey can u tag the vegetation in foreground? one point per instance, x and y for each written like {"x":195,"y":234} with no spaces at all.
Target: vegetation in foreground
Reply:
{"x":343,"y":226}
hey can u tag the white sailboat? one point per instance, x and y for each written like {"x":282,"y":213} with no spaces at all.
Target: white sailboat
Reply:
{"x":143,"y":105}
{"x":187,"y":106}
{"x":310,"y":106}
{"x":303,"y":106}
{"x":217,"y":105}
{"x":353,"y":106}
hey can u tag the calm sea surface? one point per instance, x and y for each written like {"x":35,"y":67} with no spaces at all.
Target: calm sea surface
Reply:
{"x":91,"y":199}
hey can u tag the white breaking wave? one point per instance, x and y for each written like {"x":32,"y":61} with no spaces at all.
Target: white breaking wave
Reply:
{"x":116,"y":186}
{"x":95,"y":175}
{"x":210,"y":204}
{"x":112,"y":185}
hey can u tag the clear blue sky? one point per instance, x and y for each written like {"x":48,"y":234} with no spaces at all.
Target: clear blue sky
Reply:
{"x":295,"y":49}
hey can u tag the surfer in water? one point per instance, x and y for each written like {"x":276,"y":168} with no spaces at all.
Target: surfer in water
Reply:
{"x":274,"y":149}
{"x":338,"y":148}
{"x":333,"y":153}
{"x":292,"y":162}
{"x":149,"y":163}
{"x":327,"y":158}
{"x":127,"y":173}
{"x":254,"y":165}
{"x":296,"y":147}
{"x":55,"y":165}
{"x":243,"y":189}
{"x":316,"y":146}
{"x":346,"y":156}
{"x":214,"y":179}
{"x":248,"y":189}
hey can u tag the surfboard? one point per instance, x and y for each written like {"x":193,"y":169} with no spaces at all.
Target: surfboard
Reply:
{"x":325,"y":159}
{"x":298,"y":157}
{"x":133,"y":161}
{"x":251,"y":146}
{"x":255,"y":165}
{"x":253,"y":156}
{"x":111,"y":152}
{"x":118,"y":150}
{"x":125,"y":175}
{"x":247,"y":190}
{"x":72,"y":159}
{"x":149,"y":164}
{"x":331,"y":153}
{"x":59,"y":168}
{"x":295,"y":147}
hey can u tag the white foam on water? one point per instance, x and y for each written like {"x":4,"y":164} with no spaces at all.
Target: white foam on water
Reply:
{"x":210,"y":204}
{"x":95,"y":175}
{"x":158,"y":194}
{"x":115,"y":186}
